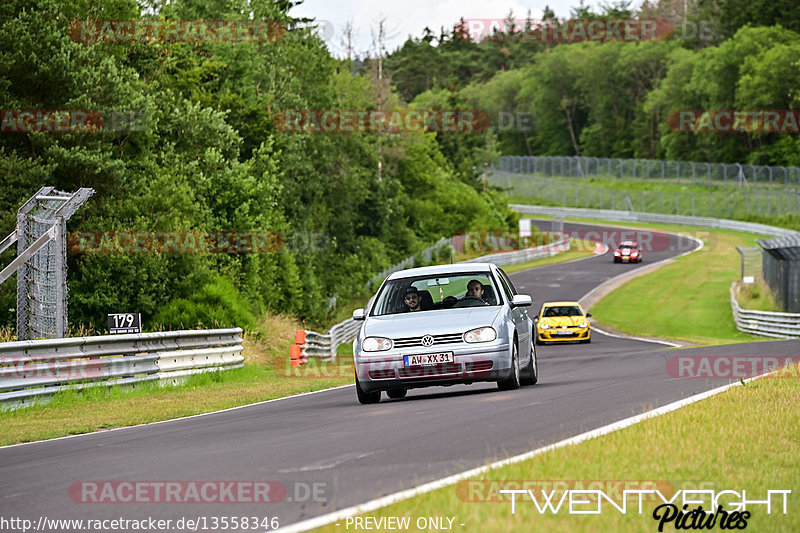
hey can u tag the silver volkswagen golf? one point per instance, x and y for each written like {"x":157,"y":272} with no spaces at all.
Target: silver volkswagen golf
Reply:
{"x":442,"y":325}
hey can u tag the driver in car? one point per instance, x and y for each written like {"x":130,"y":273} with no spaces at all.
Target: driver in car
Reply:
{"x":474,"y":290}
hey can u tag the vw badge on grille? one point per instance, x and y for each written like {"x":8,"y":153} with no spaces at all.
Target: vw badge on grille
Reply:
{"x":427,"y":340}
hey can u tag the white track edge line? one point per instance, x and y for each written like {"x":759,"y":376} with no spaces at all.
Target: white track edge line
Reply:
{"x":389,"y":499}
{"x":173,"y":419}
{"x":629,"y":337}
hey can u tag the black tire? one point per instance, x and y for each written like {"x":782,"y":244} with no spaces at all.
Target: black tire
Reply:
{"x":367,"y":397}
{"x":396,"y":393}
{"x":531,"y":375}
{"x":539,"y":341}
{"x":512,"y":381}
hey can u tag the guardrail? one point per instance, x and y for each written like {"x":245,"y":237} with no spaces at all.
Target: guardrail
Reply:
{"x":635,"y":216}
{"x":39,"y":368}
{"x":521,"y":256}
{"x":313,"y":344}
{"x":766,"y":323}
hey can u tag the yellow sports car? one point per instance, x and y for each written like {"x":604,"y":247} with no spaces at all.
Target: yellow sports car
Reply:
{"x":561,"y":322}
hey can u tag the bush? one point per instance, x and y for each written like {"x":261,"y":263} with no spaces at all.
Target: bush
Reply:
{"x":217,"y":304}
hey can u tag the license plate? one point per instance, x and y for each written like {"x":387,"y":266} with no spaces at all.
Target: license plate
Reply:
{"x":428,"y":359}
{"x":564,"y":332}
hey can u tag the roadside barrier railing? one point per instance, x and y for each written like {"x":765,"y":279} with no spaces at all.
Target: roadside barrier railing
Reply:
{"x":766,"y":323}
{"x":40,"y":368}
{"x":521,"y":256}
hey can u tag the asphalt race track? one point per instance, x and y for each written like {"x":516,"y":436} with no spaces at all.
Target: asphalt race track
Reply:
{"x":355,"y":453}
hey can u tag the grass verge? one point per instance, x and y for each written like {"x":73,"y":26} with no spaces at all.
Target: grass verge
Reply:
{"x":756,"y":296}
{"x":742,"y":439}
{"x":265,"y":376}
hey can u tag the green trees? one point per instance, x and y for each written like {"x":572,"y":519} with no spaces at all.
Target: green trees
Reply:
{"x":206,"y":156}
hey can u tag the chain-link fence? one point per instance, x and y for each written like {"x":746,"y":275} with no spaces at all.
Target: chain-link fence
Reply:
{"x":718,"y":203}
{"x":45,"y":274}
{"x":683,"y":172}
{"x":750,"y":263}
{"x":41,"y":262}
{"x":781,"y":266}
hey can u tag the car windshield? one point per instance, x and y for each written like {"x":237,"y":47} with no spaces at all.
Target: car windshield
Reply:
{"x":433,"y":293}
{"x":628,"y":246}
{"x":562,"y":310}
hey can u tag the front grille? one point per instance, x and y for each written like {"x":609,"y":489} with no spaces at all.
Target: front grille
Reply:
{"x":381,"y":374}
{"x":410,"y":342}
{"x":426,"y":371}
{"x":478,"y":366}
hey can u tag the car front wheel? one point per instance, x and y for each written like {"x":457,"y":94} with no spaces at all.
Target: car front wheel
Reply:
{"x":512,"y":381}
{"x":367,"y":397}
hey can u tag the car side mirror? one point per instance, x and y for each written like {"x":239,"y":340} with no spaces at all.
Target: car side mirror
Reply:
{"x":588,"y":315}
{"x":359,"y":314}
{"x":521,"y":300}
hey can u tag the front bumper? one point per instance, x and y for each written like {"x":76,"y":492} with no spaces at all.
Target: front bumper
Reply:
{"x":557,"y":335}
{"x":471,"y":362}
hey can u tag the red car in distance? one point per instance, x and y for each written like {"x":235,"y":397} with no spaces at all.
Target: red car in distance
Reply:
{"x":628,"y":252}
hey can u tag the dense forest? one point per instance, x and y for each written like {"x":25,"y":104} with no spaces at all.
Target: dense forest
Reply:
{"x":206,"y":154}
{"x":612,"y":98}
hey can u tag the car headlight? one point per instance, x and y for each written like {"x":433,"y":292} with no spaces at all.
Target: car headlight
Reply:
{"x":617,"y":253}
{"x":582,"y":325}
{"x":376,"y":344}
{"x":545,"y":326}
{"x":480,"y":335}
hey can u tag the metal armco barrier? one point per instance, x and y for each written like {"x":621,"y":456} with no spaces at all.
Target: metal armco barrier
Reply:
{"x":634,"y":216}
{"x":520,"y":256}
{"x":769,"y":324}
{"x":313,"y":344}
{"x":40,"y":368}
